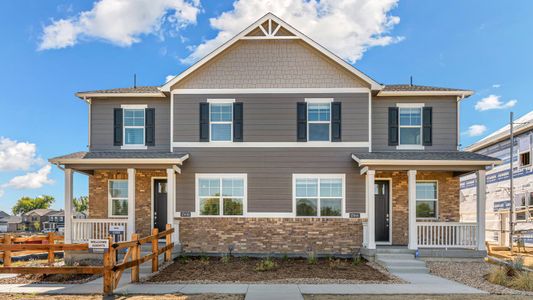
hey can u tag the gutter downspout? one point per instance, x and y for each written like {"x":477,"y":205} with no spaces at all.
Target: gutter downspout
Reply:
{"x":459,"y":99}
{"x":88,"y":100}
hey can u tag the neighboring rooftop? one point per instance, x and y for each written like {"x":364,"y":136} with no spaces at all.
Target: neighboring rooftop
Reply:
{"x":41,"y":211}
{"x":3,"y":214}
{"x":11,"y":220}
{"x":521,"y":124}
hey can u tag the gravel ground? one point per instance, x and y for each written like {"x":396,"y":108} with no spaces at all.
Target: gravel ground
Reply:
{"x":472,"y":274}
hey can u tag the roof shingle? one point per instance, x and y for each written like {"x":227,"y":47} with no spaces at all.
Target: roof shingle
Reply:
{"x":421,"y":155}
{"x":418,"y":88}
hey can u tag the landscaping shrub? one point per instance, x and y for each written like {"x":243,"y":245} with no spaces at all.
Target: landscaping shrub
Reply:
{"x":225,"y":259}
{"x":311,"y":258}
{"x":266,"y":264}
{"x":498,"y":275}
{"x":522,"y":281}
{"x":338,"y":264}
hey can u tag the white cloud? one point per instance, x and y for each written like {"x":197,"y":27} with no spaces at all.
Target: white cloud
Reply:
{"x":16,"y":155}
{"x":169,"y":78}
{"x":348,"y":27}
{"x":31,"y":180}
{"x":120,"y":22}
{"x":476,"y":130}
{"x":493,"y":102}
{"x":496,"y":85}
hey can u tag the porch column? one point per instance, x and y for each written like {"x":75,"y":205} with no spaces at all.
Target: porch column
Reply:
{"x":411,"y":190}
{"x":68,"y":206}
{"x":131,"y":202}
{"x":171,"y":201}
{"x":371,"y":205}
{"x":481,"y":207}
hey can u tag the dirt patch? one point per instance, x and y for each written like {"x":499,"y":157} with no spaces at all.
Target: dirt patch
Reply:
{"x":49,"y":278}
{"x":137,"y":297}
{"x":244,"y":270}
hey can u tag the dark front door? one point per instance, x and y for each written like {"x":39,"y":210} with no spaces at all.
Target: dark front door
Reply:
{"x":381,"y":194}
{"x":160,"y":204}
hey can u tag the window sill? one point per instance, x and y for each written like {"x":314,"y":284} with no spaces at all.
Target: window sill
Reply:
{"x":410,"y":147}
{"x":133,"y":147}
{"x":117,"y":217}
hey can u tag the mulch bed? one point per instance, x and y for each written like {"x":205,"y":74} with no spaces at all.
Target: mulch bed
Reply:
{"x":49,"y":278}
{"x":243,"y":270}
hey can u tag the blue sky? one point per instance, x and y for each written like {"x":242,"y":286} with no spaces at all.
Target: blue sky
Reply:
{"x":481,"y":45}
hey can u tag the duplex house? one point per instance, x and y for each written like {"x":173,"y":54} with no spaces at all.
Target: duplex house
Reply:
{"x":273,"y":144}
{"x":34,"y":219}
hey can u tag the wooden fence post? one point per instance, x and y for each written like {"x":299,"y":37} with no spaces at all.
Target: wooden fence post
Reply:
{"x":135,"y":255}
{"x":109,"y":275}
{"x":168,"y":238}
{"x":7,"y":253}
{"x":51,"y":249}
{"x":155,"y":250}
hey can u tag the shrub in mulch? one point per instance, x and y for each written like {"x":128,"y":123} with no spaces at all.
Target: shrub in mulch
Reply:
{"x":250,"y":269}
{"x":512,"y":276}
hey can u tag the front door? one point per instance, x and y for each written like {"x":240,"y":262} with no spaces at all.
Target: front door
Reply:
{"x":160,"y":204}
{"x":381,"y":195}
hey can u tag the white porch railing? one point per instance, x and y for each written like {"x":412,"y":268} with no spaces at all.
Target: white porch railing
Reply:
{"x":446,"y":235}
{"x":85,"y":229}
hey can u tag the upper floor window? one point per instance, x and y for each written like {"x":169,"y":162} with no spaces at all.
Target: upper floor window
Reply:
{"x":318,"y":195}
{"x":319,"y":121}
{"x":221,"y":194}
{"x":426,"y":199}
{"x":410,"y":126}
{"x":221,"y":122}
{"x":134,"y":127}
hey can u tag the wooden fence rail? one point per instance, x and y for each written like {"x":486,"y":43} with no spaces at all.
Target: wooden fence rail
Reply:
{"x":111,"y":269}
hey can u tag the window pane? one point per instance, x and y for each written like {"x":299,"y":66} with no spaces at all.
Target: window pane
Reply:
{"x":426,"y":190}
{"x":410,"y":136}
{"x":319,"y":132}
{"x":222,"y":112}
{"x":410,"y":116}
{"x":118,"y":189}
{"x":331,"y":188}
{"x":134,"y":117}
{"x":209,"y":206}
{"x":319,"y":111}
{"x":221,"y":132}
{"x":306,"y":187}
{"x":119,"y":207}
{"x":134,"y":136}
{"x":232,"y":207}
{"x":233,"y":187}
{"x":330,"y":207}
{"x":425,"y":209}
{"x":209,"y":187}
{"x":162,"y":188}
{"x":306,"y":207}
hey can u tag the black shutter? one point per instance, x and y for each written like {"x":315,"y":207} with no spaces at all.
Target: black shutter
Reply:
{"x":427,"y":121}
{"x":237,"y":122}
{"x":336,"y":122}
{"x":149,"y":126}
{"x":204,"y":122}
{"x":393,"y":126}
{"x":117,"y":127}
{"x":301,"y":131}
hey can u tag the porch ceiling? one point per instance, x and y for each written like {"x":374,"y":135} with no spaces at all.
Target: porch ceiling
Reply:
{"x":457,"y":161}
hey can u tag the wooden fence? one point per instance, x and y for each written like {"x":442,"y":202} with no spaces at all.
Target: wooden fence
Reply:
{"x":111,"y":269}
{"x":21,"y":245}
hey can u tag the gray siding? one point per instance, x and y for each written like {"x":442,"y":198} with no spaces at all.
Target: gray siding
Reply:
{"x":271,"y":117}
{"x":102,"y":122}
{"x":270,"y":174}
{"x":444,"y":121}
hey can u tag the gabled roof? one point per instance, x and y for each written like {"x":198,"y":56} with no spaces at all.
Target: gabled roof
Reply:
{"x":3,"y":214}
{"x":280,"y":31}
{"x":40,"y":211}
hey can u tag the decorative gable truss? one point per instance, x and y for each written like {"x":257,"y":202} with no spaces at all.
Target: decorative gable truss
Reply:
{"x":270,"y":30}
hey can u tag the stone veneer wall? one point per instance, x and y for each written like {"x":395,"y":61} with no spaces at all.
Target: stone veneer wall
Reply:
{"x":270,"y":235}
{"x":448,"y":196}
{"x":98,"y":198}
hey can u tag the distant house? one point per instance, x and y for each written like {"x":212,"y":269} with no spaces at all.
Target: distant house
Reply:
{"x":35,"y":216}
{"x":3,"y":214}
{"x":54,"y":221}
{"x":11,"y":223}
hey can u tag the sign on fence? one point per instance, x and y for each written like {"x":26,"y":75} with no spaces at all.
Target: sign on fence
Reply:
{"x":116,"y":229}
{"x":98,"y":245}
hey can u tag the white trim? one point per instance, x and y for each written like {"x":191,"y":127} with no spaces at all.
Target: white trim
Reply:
{"x":389,"y":179}
{"x":269,"y":91}
{"x":319,"y":100}
{"x":400,"y":162}
{"x":425,"y":93}
{"x":134,"y":106}
{"x":269,"y":16}
{"x":125,"y":161}
{"x":410,"y":105}
{"x":221,"y":101}
{"x":341,"y":176}
{"x":110,"y":200}
{"x":369,"y":121}
{"x":436,"y":200}
{"x":114,"y":95}
{"x":133,"y":147}
{"x":324,"y":144}
{"x":410,"y":147}
{"x":220,"y":176}
{"x":89,"y":123}
{"x":152,"y":206}
{"x":171,"y":123}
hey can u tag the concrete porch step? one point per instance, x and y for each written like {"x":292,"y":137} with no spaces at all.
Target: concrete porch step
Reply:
{"x":394,"y":250}
{"x":401,"y":263}
{"x":409,"y":269}
{"x":395,"y":256}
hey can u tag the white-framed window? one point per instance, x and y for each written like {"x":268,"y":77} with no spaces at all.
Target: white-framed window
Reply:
{"x":410,"y":125}
{"x":134,"y":125}
{"x":118,"y":198}
{"x":221,"y":120}
{"x":221,"y":194}
{"x":319,"y":120}
{"x":318,"y":195}
{"x":427,"y":199}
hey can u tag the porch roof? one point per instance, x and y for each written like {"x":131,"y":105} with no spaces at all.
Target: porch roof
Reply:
{"x":446,"y":160}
